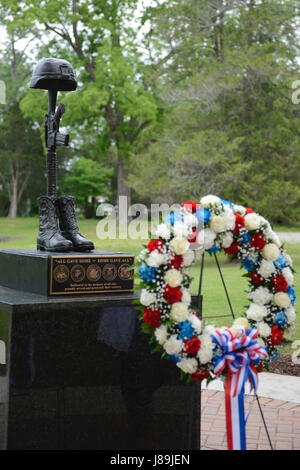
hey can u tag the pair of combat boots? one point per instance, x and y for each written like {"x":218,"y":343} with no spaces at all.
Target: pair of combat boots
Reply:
{"x":66,"y":236}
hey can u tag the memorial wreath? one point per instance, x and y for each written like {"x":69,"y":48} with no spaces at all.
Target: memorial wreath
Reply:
{"x":200,"y":350}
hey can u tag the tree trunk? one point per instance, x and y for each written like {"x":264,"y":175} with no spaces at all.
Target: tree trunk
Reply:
{"x":13,"y":208}
{"x":123,"y":188}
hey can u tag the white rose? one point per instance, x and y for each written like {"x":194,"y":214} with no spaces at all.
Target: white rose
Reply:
{"x":226,"y":239}
{"x":181,"y":229}
{"x":217,"y":223}
{"x":188,"y":365}
{"x":161,"y":334}
{"x":282,"y":300}
{"x":156,"y":259}
{"x":179,"y":245}
{"x":289,"y":277}
{"x":256,"y":312}
{"x":163,"y":231}
{"x":239,"y":209}
{"x":260,"y":341}
{"x":173,"y":345}
{"x":205,"y":352}
{"x":290,"y":314}
{"x":186,"y":297}
{"x":147,"y":298}
{"x":252,"y":221}
{"x":179,"y":312}
{"x":209,"y":329}
{"x":261,"y":296}
{"x":190,"y":220}
{"x":210,"y":199}
{"x":206,"y":238}
{"x":195,"y":322}
{"x":242,"y":322}
{"x":270,"y":252}
{"x":266,"y":269}
{"x":263,"y":329}
{"x":188,"y":258}
{"x":173,"y":277}
{"x":229,"y":218}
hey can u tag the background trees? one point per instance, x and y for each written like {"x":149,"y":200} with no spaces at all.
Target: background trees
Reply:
{"x":198,"y":103}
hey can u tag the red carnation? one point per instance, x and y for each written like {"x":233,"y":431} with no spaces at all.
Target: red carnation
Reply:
{"x":232,"y":249}
{"x":276,"y":336}
{"x":176,"y":262}
{"x":190,"y":206}
{"x":200,"y":375}
{"x":192,"y":346}
{"x":239,"y":223}
{"x":248,"y":211}
{"x":257,"y":241}
{"x":279,"y":283}
{"x":192,"y":238}
{"x":152,"y":317}
{"x":155,"y":245}
{"x":257,"y":279}
{"x":172,"y":294}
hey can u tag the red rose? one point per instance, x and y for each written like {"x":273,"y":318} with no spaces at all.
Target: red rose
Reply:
{"x":257,"y":241}
{"x":276,"y":336}
{"x":155,"y":245}
{"x":279,"y":283}
{"x":192,"y":238}
{"x":248,"y":211}
{"x":239,"y":223}
{"x":152,"y":317}
{"x":172,"y":294}
{"x":257,"y":279}
{"x":233,"y":249}
{"x":200,"y":375}
{"x":176,"y":262}
{"x":190,"y":206}
{"x":192,"y":346}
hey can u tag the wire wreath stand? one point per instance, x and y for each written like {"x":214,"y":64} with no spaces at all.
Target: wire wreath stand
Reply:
{"x":199,"y":303}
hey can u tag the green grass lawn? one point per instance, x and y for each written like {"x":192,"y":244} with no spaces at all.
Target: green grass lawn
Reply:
{"x":23,"y":232}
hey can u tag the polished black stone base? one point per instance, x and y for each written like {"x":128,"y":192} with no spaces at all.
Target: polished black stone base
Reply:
{"x":81,"y":375}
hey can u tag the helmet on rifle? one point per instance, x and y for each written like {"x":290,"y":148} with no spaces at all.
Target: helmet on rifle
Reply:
{"x":53,"y":74}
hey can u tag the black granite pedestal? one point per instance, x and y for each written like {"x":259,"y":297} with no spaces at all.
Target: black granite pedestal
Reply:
{"x":80,"y":375}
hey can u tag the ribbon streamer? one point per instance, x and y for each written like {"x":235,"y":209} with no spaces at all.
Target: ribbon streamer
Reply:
{"x":240,"y":353}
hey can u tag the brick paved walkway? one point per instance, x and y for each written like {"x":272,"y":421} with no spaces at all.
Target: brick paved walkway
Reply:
{"x":282,"y":419}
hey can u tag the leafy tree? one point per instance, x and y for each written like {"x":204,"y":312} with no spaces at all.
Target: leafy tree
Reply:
{"x":224,"y":71}
{"x":87,"y":179}
{"x":20,"y":144}
{"x":113,"y":107}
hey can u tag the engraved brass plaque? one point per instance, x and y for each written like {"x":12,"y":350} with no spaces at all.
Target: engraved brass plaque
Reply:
{"x":90,"y":274}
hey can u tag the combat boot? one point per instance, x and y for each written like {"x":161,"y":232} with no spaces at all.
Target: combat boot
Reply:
{"x":68,"y":224}
{"x":49,"y":236}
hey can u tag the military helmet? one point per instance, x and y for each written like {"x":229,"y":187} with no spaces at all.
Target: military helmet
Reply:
{"x":53,"y":73}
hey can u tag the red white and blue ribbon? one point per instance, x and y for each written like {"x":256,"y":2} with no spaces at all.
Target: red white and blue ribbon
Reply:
{"x":240,"y":353}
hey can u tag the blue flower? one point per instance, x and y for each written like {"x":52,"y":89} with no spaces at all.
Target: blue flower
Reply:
{"x":213,"y":249}
{"x":246,"y":237}
{"x":147,"y":273}
{"x":248,"y":264}
{"x":280,"y":319}
{"x":174,"y":358}
{"x":227,"y":203}
{"x":203,"y":215}
{"x":280,"y":263}
{"x":291,"y":293}
{"x":172,"y":218}
{"x":186,"y":330}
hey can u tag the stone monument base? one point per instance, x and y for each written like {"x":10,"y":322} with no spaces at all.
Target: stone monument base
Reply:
{"x":80,"y":375}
